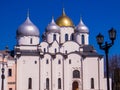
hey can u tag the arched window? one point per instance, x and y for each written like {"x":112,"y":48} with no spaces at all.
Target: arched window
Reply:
{"x":47,"y":62}
{"x":31,"y":41}
{"x":59,"y":83}
{"x":76,"y":74}
{"x":44,"y":50}
{"x":72,"y":37}
{"x":55,"y":50}
{"x":92,"y":83}
{"x":54,"y":37}
{"x":83,"y":39}
{"x":65,"y":51}
{"x":9,"y":72}
{"x":35,"y":62}
{"x":59,"y":62}
{"x":10,"y":89}
{"x":69,"y":61}
{"x":66,"y":37}
{"x":29,"y":83}
{"x":47,"y":83}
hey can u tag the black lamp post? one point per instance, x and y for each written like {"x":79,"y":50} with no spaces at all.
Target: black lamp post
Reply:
{"x":2,"y":75}
{"x":106,"y":47}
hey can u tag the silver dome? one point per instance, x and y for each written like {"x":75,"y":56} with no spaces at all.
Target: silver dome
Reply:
{"x":27,"y":29}
{"x":81,"y":27}
{"x":53,"y":27}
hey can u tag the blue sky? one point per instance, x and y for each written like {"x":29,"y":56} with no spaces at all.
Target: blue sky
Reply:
{"x":98,"y":15}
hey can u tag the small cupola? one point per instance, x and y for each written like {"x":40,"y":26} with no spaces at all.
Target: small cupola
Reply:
{"x":81,"y":27}
{"x":64,"y":20}
{"x":27,"y":29}
{"x":53,"y":27}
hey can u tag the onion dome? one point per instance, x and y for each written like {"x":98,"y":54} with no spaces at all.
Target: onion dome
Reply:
{"x":53,"y":27}
{"x":64,"y":20}
{"x":82,"y":28}
{"x":27,"y":29}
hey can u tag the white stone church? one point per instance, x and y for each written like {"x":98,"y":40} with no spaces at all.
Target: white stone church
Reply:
{"x":63,"y":60}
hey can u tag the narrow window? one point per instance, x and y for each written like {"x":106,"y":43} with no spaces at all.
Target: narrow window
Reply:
{"x":59,"y":62}
{"x":55,"y":50}
{"x":47,"y":83}
{"x":9,"y":72}
{"x":44,"y":50}
{"x":31,"y":41}
{"x":72,"y":37}
{"x":83,"y":39}
{"x":76,"y":74}
{"x":70,"y":61}
{"x":47,"y":62}
{"x":35,"y":62}
{"x":92,"y":83}
{"x":65,"y":51}
{"x":10,"y":88}
{"x":29,"y":83}
{"x":54,"y":37}
{"x":66,"y":37}
{"x":59,"y":83}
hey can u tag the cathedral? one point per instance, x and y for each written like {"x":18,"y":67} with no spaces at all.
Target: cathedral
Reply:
{"x":62,"y":60}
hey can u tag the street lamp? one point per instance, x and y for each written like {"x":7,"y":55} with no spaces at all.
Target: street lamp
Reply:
{"x":106,"y":47}
{"x":3,"y":70}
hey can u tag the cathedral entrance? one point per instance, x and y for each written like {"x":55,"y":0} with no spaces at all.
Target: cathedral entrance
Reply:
{"x":75,"y":86}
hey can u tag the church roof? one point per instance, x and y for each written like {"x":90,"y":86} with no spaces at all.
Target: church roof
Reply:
{"x":89,"y":50}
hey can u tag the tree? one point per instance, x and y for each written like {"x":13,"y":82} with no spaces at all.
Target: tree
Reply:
{"x":114,"y":63}
{"x":114,"y":68}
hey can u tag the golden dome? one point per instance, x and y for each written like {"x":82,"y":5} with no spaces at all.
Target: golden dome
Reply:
{"x":64,"y":20}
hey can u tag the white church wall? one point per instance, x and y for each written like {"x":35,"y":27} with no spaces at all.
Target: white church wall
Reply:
{"x":69,"y":46}
{"x":73,"y":62}
{"x":27,"y":48}
{"x":65,"y":30}
{"x":78,"y":38}
{"x":45,"y":71}
{"x":101,"y":74}
{"x":57,"y":71}
{"x":50,"y":37}
{"x":86,"y":39}
{"x":27,"y":68}
{"x":54,"y":47}
{"x":67,"y":76}
{"x":28,"y":40}
{"x":43,"y":46}
{"x":90,"y":70}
